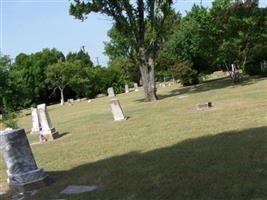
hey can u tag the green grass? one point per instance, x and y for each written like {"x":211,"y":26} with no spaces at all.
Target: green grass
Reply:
{"x":165,"y":150}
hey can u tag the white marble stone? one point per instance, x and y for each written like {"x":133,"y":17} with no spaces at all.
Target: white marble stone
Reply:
{"x":47,"y":131}
{"x":163,"y":85}
{"x":77,"y":189}
{"x":136,"y":87}
{"x":126,"y":89}
{"x":116,"y":110}
{"x":35,"y":121}
{"x":111,"y":92}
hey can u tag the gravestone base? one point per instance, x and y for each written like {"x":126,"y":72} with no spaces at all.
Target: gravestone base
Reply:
{"x":49,"y":135}
{"x":203,"y":106}
{"x":22,"y":188}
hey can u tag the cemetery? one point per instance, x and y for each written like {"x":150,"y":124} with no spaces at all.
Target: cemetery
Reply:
{"x":133,"y":100}
{"x":165,"y":150}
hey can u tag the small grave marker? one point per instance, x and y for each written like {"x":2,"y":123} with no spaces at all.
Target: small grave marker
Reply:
{"x":203,"y":106}
{"x":77,"y":189}
{"x":111,"y":92}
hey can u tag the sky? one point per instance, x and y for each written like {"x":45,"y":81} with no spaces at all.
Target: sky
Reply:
{"x":28,"y":26}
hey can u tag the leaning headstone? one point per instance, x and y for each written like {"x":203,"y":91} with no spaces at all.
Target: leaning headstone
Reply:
{"x":203,"y":106}
{"x":22,"y":171}
{"x":47,"y":131}
{"x":35,"y":121}
{"x":136,"y":87}
{"x":116,"y":110}
{"x":126,"y":89}
{"x":77,"y":189}
{"x":111,"y":92}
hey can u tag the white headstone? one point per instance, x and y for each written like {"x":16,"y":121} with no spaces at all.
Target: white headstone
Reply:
{"x":116,"y":110}
{"x":136,"y":87}
{"x":111,"y":92}
{"x":35,"y":121}
{"x":71,"y":102}
{"x":47,"y":131}
{"x":162,"y":85}
{"x":126,"y":89}
{"x":233,"y":68}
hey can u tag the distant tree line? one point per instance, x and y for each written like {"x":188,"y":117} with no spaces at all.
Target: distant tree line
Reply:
{"x":48,"y":76}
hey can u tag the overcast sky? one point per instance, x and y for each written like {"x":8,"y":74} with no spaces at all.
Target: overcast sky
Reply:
{"x":30,"y":25}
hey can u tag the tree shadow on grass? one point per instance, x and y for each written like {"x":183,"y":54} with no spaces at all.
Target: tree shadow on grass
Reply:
{"x":229,"y":165}
{"x":214,"y":84}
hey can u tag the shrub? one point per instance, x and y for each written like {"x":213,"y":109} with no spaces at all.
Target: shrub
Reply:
{"x":186,"y":73}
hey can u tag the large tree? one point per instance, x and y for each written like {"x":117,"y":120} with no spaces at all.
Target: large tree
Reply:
{"x":131,"y":20}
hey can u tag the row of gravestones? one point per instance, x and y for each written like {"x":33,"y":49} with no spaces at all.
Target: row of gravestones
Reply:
{"x":22,"y":170}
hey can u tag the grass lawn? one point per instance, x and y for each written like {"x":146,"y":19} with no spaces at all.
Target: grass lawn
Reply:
{"x":165,"y":150}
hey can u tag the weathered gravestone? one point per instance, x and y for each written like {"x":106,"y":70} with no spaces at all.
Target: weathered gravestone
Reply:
{"x":264,"y":66}
{"x":126,"y":89}
{"x":116,"y":110}
{"x":203,"y":106}
{"x":163,"y":85}
{"x":234,"y":73}
{"x":47,"y":131}
{"x":136,"y":87}
{"x":35,"y":121}
{"x":111,"y":92}
{"x":23,"y":173}
{"x":70,"y":102}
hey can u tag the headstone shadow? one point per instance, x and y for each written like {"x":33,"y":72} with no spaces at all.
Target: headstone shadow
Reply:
{"x":228,"y":165}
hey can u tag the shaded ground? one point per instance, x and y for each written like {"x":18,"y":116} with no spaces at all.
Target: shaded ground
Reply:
{"x":230,"y":165}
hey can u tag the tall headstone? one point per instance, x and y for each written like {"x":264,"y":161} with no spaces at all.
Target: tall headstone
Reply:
{"x":22,"y":170}
{"x":116,"y":110}
{"x":111,"y":92}
{"x":234,"y":73}
{"x":126,"y":89}
{"x":35,"y":121}
{"x":136,"y":87}
{"x":47,"y":131}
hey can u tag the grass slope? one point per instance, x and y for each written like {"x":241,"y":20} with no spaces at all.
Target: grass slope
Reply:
{"x":165,"y":150}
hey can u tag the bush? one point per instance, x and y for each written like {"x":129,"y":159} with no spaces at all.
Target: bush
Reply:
{"x":253,"y":69}
{"x":186,"y":73}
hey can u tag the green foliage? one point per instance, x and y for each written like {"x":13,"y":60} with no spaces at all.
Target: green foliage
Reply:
{"x":10,"y":120}
{"x":82,"y":56}
{"x":186,"y":73}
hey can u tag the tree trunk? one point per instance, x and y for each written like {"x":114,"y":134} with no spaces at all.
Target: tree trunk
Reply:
{"x":62,"y":96}
{"x":147,"y":71}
